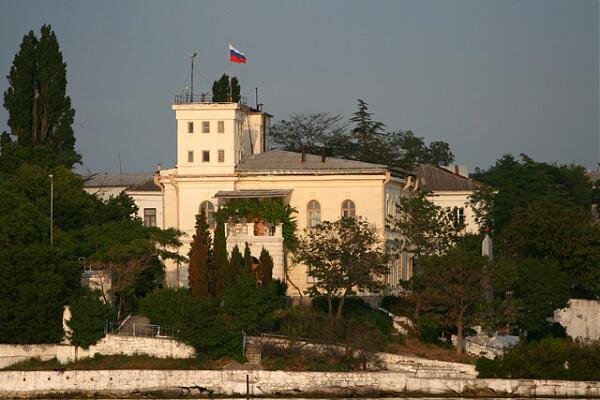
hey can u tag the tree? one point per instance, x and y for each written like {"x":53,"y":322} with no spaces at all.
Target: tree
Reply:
{"x":199,"y":256}
{"x":450,"y":289}
{"x":219,"y":263}
{"x":221,"y":92}
{"x":424,"y":228}
{"x":236,"y":264}
{"x":367,"y":135}
{"x":265,"y":267}
{"x":343,"y":257}
{"x":89,"y":316}
{"x":40,"y":112}
{"x":315,"y":133}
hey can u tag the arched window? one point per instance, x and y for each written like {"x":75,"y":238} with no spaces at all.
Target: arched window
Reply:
{"x":313,"y":212}
{"x":348,"y":209}
{"x":209,"y":210}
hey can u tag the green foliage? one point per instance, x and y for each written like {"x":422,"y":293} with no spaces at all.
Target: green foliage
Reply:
{"x":253,"y":308}
{"x":549,"y":358}
{"x":425,"y":228}
{"x":272,"y":211}
{"x":399,"y":305}
{"x":449,"y":288}
{"x":218,"y":264}
{"x":89,"y":316}
{"x":35,"y":283}
{"x":323,"y":133}
{"x":197,"y":322}
{"x":265,"y":267}
{"x":221,"y":92}
{"x":343,"y":257}
{"x":40,"y":115}
{"x":429,"y":328}
{"x":199,"y":256}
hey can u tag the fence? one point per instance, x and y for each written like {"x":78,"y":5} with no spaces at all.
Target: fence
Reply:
{"x":139,"y":329}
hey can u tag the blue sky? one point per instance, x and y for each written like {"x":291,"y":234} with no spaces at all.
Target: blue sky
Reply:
{"x":488,"y":77}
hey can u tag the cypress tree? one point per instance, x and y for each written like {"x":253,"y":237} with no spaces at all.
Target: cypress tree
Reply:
{"x":247,"y":259}
{"x":220,"y":90}
{"x":236,"y":264}
{"x":199,"y":254}
{"x":219,"y":262}
{"x":40,"y":116}
{"x":265,"y":267}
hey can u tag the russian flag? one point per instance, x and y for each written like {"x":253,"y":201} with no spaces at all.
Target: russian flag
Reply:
{"x":236,"y":56}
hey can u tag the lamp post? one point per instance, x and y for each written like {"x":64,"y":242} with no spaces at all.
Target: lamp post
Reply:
{"x":51,"y":209}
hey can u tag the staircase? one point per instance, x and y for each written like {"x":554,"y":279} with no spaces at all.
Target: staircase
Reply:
{"x":253,"y":353}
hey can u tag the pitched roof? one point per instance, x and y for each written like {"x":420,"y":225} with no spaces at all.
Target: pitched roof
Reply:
{"x":280,"y":162}
{"x":125,"y":180}
{"x":438,"y":179}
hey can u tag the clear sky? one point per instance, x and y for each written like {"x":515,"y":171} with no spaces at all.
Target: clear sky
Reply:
{"x":488,"y":77}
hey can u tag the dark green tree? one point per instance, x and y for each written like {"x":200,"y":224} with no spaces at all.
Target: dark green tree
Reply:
{"x":40,"y":112}
{"x":247,"y":258}
{"x":221,"y":92}
{"x":236,"y":264}
{"x":199,"y":258}
{"x":315,"y":133}
{"x":265,"y":267}
{"x":219,"y":263}
{"x":367,"y":135}
{"x":89,"y":316}
{"x":450,"y":289}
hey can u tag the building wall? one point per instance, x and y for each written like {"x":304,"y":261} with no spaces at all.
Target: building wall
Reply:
{"x":458,"y":200}
{"x":581,"y":319}
{"x":146,"y":200}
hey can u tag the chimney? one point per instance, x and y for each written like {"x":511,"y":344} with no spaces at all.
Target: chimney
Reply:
{"x":158,"y":168}
{"x":302,"y":156}
{"x":323,"y":155}
{"x":456,"y":170}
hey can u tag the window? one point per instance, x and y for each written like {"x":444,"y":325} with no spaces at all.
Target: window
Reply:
{"x":459,"y":215}
{"x":313,"y":212}
{"x":221,"y":127}
{"x":150,"y":216}
{"x":348,"y":209}
{"x":205,"y":126}
{"x":221,"y":155}
{"x":205,"y":156}
{"x":190,"y":127}
{"x":209,"y":210}
{"x":190,"y":156}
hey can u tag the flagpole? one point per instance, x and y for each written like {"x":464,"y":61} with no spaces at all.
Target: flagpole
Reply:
{"x":229,"y":73}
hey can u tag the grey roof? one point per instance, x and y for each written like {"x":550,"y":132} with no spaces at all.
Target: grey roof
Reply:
{"x":280,"y":162}
{"x":125,"y":180}
{"x":438,"y":179}
{"x":252,"y":194}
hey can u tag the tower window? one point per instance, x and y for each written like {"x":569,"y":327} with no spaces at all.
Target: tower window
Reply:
{"x":221,"y":155}
{"x":190,"y":156}
{"x":221,"y":127}
{"x":209,"y":210}
{"x":205,"y":156}
{"x":205,"y":126}
{"x":190,"y":127}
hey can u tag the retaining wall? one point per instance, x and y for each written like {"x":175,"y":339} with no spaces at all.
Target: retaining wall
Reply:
{"x":109,"y":345}
{"x":170,"y":383}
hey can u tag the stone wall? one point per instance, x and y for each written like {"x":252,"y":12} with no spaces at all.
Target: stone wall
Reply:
{"x":581,"y":319}
{"x":109,"y":345}
{"x":176,"y":383}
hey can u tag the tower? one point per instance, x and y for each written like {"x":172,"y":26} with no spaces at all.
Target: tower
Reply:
{"x":212,"y":138}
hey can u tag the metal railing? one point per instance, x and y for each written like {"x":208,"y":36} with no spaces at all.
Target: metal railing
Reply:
{"x":200,"y":98}
{"x":138,"y":329}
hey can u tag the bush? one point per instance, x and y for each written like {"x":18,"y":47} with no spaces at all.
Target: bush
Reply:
{"x":89,"y":316}
{"x":429,"y":329}
{"x":550,"y":358}
{"x":252,"y":308}
{"x":398,"y":305}
{"x":197,"y":322}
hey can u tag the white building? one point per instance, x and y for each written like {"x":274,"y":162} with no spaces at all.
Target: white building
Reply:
{"x":222,"y":155}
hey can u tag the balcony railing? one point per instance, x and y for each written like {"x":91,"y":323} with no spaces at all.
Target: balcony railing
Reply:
{"x":200,"y":98}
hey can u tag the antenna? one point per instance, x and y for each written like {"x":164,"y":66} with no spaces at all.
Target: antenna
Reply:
{"x":192,"y":56}
{"x":120,"y":172}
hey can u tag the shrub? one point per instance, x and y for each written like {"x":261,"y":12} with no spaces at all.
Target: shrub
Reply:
{"x":398,"y":305}
{"x":429,"y":329}
{"x":550,"y":358}
{"x":89,"y":316}
{"x":197,"y":322}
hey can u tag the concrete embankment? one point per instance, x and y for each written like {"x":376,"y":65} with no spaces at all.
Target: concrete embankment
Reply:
{"x":182,"y":383}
